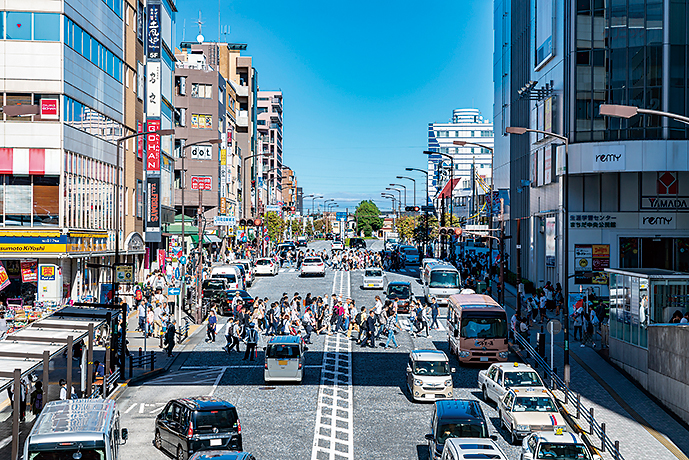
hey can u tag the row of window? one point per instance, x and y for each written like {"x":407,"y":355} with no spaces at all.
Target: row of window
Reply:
{"x":20,"y":25}
{"x":201,"y":91}
{"x":89,"y":120}
{"x":29,"y":201}
{"x":115,"y":6}
{"x":83,"y":43}
{"x":463,"y":133}
{"x":89,"y":193}
{"x":463,"y":150}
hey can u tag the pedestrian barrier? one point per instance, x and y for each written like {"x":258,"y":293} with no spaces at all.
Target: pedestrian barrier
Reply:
{"x":143,"y":360}
{"x":111,"y":382}
{"x":183,"y":332}
{"x":583,"y":414}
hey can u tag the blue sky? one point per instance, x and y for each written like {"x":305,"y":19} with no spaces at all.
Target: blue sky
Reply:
{"x":361,"y":80}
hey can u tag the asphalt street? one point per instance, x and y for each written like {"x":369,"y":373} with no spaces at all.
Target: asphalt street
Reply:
{"x":365,"y":414}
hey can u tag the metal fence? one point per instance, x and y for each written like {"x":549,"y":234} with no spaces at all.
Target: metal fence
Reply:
{"x":142,"y":360}
{"x":585,"y":416}
{"x":110,"y":382}
{"x":183,"y":332}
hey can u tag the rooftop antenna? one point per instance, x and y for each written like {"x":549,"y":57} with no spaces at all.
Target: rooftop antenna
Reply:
{"x":199,"y":37}
{"x":225,"y":31}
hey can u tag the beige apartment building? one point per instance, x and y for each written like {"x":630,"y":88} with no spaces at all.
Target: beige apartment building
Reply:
{"x":289,"y":187}
{"x":269,"y":126}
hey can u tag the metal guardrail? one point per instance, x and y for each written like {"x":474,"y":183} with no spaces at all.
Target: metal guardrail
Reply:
{"x":595,"y":428}
{"x":143,"y":360}
{"x":111,"y":382}
{"x":183,"y":332}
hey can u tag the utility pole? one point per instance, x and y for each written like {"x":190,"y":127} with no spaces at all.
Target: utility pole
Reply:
{"x":519,"y":268}
{"x":199,"y":262}
{"x":501,"y":298}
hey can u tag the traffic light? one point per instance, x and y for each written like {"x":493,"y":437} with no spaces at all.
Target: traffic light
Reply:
{"x":249,"y":222}
{"x":412,"y":208}
{"x":258,"y":222}
{"x":242,"y":222}
{"x":456,"y":231}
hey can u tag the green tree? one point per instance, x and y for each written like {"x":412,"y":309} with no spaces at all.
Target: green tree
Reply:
{"x":296,"y":228}
{"x":368,"y":218}
{"x":420,"y":229}
{"x":405,"y":227}
{"x":322,"y":225}
{"x":276,"y":226}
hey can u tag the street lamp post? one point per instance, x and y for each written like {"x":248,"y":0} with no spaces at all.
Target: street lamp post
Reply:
{"x":452,"y":186}
{"x":313,"y":202}
{"x":425,"y":239}
{"x":565,"y":238}
{"x":256,"y":184}
{"x":399,"y":201}
{"x":183,"y":187}
{"x":414,"y":181}
{"x":490,"y":209}
{"x":405,"y":192}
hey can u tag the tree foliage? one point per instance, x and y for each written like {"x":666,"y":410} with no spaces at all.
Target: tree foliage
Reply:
{"x":406,"y":227}
{"x":368,"y":218}
{"x":276,"y":226}
{"x":322,"y":225}
{"x":296,"y":228}
{"x":420,"y":229}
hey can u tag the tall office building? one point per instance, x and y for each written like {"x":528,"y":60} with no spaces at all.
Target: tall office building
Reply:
{"x":289,"y":187}
{"x":469,"y":190}
{"x":269,"y":125}
{"x":555,"y":63}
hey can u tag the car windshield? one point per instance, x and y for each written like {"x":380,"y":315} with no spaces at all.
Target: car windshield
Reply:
{"x":282,"y":351}
{"x":228,"y":276}
{"x":313,"y":261}
{"x":263,"y":262}
{"x":242,"y":295}
{"x":563,"y":451}
{"x":484,"y":327}
{"x":397,"y":290}
{"x":534,"y":404}
{"x":411,"y":251}
{"x":213,"y":421}
{"x":444,"y":279}
{"x":460,"y":430}
{"x":214,"y":284}
{"x":522,"y":379}
{"x":431,"y":368}
{"x":374,"y":273}
{"x":67,"y":454}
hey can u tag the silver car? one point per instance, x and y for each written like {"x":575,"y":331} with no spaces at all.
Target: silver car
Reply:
{"x":374,"y":278}
{"x":284,"y":359}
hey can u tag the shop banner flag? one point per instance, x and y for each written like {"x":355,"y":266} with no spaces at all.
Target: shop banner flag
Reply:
{"x":4,"y":278}
{"x":29,"y":270}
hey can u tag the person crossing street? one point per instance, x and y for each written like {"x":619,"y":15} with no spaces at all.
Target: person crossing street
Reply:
{"x":251,"y":342}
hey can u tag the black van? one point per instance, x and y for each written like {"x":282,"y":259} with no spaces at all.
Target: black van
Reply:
{"x":357,"y":243}
{"x":455,"y":418}
{"x":188,"y":425}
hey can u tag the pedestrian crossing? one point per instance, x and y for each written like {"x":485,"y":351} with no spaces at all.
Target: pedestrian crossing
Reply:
{"x":406,"y":320}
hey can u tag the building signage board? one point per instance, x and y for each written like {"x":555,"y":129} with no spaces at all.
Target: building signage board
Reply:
{"x":49,"y":109}
{"x":153,"y":32}
{"x":124,"y":273}
{"x":201,"y":183}
{"x":608,"y":158}
{"x":656,"y":220}
{"x":548,"y":165}
{"x":548,"y":115}
{"x":201,"y":121}
{"x":202,"y":152}
{"x":590,"y":262}
{"x":153,"y":144}
{"x":139,"y":140}
{"x":550,"y":241}
{"x":29,"y":269}
{"x":153,"y":195}
{"x":153,"y":90}
{"x":224,"y":221}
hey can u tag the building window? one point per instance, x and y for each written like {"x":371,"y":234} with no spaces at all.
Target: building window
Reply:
{"x":18,"y":25}
{"x":199,"y":121}
{"x":201,"y":91}
{"x":84,"y":118}
{"x":81,"y":42}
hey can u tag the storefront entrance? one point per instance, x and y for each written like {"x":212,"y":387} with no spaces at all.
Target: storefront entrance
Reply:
{"x":663,"y":253}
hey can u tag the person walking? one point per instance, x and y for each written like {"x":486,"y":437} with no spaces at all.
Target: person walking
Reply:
{"x":37,"y":398}
{"x":251,"y":342}
{"x":142,"y":316}
{"x":434,"y":313}
{"x":170,"y":337}
{"x":391,"y":325}
{"x":63,"y":391}
{"x":371,"y":329}
{"x":210,"y":326}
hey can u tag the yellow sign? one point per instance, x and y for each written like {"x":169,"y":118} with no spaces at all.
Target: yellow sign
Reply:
{"x":223,"y":157}
{"x":124,"y":273}
{"x":33,"y":247}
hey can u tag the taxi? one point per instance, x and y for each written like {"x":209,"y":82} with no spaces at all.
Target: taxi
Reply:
{"x":557,"y":445}
{"x":500,"y":377}
{"x":529,"y":409}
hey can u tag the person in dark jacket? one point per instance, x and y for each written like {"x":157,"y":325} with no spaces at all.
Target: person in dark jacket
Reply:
{"x":371,"y":329}
{"x":170,"y":337}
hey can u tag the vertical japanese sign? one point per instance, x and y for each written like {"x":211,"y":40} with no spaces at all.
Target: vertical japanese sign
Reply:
{"x":153,"y":90}
{"x":550,"y":241}
{"x":153,"y":219}
{"x":223,"y":174}
{"x":153,"y":32}
{"x":153,"y":143}
{"x":139,"y":140}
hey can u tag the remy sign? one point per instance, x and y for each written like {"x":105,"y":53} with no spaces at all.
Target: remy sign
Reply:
{"x":590,"y":262}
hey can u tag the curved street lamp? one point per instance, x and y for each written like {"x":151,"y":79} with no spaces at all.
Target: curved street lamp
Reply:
{"x":405,"y":192}
{"x":399,"y":201}
{"x":414,"y":181}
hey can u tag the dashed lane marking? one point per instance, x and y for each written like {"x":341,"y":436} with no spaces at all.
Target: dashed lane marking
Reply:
{"x":130,"y":408}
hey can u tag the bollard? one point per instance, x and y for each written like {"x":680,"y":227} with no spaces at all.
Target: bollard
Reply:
{"x":602,"y":438}
{"x":591,"y":421}
{"x":578,"y":405}
{"x":617,"y":450}
{"x":140,"y":351}
{"x":131,"y":367}
{"x":153,"y":359}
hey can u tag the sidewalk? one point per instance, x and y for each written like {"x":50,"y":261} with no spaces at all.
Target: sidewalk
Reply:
{"x":643,"y":428}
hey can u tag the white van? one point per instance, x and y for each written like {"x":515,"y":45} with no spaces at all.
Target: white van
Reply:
{"x":248,"y":269}
{"x":441,"y":281}
{"x":284,"y":359}
{"x":76,"y":428}
{"x":231,"y":273}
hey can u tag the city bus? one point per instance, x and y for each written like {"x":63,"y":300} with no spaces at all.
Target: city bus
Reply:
{"x":477,"y":329}
{"x":440,"y":280}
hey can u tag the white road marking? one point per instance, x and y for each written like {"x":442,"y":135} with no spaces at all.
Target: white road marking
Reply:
{"x":130,"y":408}
{"x":217,"y":381}
{"x":405,"y":320}
{"x":334,"y":282}
{"x":334,"y":430}
{"x":349,"y":284}
{"x":158,"y":409}
{"x":141,"y":409}
{"x":5,"y":441}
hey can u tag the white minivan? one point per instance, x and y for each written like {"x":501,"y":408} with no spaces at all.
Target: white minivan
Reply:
{"x":231,"y":273}
{"x":284,"y":359}
{"x":441,"y":281}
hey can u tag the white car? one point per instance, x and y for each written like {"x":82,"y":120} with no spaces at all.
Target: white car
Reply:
{"x":526,"y":410}
{"x":500,"y":377}
{"x":312,"y":266}
{"x":374,"y":278}
{"x":337,"y":246}
{"x":558,"y":445}
{"x":266,"y":266}
{"x":248,"y":270}
{"x":466,"y":448}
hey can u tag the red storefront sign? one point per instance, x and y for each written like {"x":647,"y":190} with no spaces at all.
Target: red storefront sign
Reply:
{"x":49,"y":109}
{"x":140,"y":140}
{"x":201,"y":183}
{"x":153,"y":151}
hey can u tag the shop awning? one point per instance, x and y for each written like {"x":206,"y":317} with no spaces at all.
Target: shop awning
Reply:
{"x":176,"y":229}
{"x":207,"y":239}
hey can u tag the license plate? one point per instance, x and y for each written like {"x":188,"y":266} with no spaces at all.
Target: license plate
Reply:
{"x":282,"y":362}
{"x":216,"y":442}
{"x":484,"y":358}
{"x":370,"y":285}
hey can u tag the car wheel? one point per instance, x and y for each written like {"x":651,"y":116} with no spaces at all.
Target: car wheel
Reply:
{"x":513,"y":438}
{"x":180,"y":454}
{"x":485,"y":394}
{"x":157,"y":441}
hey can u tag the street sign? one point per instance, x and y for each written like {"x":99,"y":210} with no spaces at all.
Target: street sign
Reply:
{"x":225,"y":221}
{"x":173,"y":291}
{"x":124,"y":273}
{"x":554,"y":326}
{"x":430,"y":208}
{"x":177,"y":274}
{"x":341,"y":216}
{"x":183,"y":260}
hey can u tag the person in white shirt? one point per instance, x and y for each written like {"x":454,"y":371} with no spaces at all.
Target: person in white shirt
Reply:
{"x":63,"y":390}
{"x":3,"y":326}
